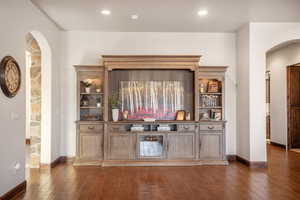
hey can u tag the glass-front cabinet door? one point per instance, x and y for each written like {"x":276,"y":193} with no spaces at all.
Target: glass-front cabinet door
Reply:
{"x":91,"y":95}
{"x":151,"y":146}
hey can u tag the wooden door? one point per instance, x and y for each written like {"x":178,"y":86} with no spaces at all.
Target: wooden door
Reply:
{"x":181,"y":146}
{"x":91,"y":146}
{"x":293,"y":98}
{"x":211,"y":146}
{"x":120,"y":146}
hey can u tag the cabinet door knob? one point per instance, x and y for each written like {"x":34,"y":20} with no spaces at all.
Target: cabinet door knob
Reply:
{"x":210,"y":127}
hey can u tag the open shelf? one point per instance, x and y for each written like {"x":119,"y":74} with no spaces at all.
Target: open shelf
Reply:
{"x":211,"y":97}
{"x":90,"y":103}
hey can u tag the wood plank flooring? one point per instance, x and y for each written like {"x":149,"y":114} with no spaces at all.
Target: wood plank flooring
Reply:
{"x":281,"y":181}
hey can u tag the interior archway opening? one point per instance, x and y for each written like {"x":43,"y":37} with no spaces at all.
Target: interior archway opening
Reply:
{"x":33,"y":99}
{"x":38,"y":100}
{"x":281,"y":93}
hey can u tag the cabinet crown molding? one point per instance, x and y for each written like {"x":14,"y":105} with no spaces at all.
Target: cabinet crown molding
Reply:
{"x":151,"y":61}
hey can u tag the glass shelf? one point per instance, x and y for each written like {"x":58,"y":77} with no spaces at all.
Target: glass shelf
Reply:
{"x":211,"y":93}
{"x":92,"y":93}
{"x":90,"y":107}
{"x":214,"y":107}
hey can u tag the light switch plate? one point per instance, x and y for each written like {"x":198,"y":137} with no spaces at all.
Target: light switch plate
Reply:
{"x":14,"y":116}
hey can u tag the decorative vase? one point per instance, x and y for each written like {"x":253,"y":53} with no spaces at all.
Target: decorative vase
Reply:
{"x":87,"y":90}
{"x":115,"y":114}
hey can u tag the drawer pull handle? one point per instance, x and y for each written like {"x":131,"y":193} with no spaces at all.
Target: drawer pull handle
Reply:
{"x":186,"y":127}
{"x":115,"y":129}
{"x":91,"y":127}
{"x":210,"y":127}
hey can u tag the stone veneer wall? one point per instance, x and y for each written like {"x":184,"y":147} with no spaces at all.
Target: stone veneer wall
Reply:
{"x":35,"y":99}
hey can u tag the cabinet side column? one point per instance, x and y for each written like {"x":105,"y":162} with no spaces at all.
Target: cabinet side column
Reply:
{"x":106,"y":94}
{"x":196,"y":94}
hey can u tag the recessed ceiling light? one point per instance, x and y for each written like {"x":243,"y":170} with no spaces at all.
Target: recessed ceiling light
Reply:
{"x":105,"y":12}
{"x":134,"y":16}
{"x":202,"y":12}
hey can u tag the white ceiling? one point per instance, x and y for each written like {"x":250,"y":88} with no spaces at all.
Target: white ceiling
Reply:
{"x":167,"y":15}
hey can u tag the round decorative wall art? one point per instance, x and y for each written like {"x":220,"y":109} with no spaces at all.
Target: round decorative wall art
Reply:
{"x":10,"y":76}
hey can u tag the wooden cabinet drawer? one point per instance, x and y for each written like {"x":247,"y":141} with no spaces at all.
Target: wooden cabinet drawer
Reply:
{"x":211,"y":127}
{"x":117,"y":128}
{"x":91,"y":128}
{"x":186,"y":127}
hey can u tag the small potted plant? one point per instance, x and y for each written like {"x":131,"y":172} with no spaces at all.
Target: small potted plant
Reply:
{"x":87,"y":84}
{"x":114,"y":102}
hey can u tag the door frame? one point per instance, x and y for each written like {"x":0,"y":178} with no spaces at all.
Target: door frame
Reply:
{"x":289,"y":137}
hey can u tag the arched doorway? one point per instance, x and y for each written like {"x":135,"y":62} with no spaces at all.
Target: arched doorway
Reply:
{"x":33,"y":105}
{"x":38,"y":98}
{"x":278,"y":59}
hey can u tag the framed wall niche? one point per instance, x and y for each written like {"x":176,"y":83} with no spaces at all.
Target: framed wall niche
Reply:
{"x":169,"y":90}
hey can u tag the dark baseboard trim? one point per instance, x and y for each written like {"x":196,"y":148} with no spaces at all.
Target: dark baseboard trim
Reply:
{"x":278,"y":145}
{"x":252,"y":164}
{"x":231,"y":158}
{"x":15,"y":192}
{"x":242,"y":160}
{"x":27,"y":141}
{"x":59,"y":160}
{"x":53,"y":164}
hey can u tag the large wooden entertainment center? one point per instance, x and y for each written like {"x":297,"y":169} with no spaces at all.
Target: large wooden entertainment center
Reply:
{"x":200,"y":140}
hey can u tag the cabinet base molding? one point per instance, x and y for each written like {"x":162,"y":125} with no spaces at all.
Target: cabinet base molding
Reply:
{"x":84,"y":162}
{"x":252,"y":164}
{"x":15,"y":192}
{"x":111,"y":163}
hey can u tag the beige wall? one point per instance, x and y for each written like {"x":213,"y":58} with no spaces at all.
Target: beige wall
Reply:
{"x":243,"y":115}
{"x":17,"y":18}
{"x":85,"y":47}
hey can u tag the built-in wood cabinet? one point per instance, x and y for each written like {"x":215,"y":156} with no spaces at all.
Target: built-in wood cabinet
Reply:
{"x":90,"y":142}
{"x":121,"y":146}
{"x":90,"y":114}
{"x":211,"y":146}
{"x":91,"y":146}
{"x":151,"y":146}
{"x":212,"y":141}
{"x":181,"y":146}
{"x":197,"y":140}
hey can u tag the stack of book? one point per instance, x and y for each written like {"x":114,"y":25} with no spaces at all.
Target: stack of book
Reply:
{"x":137,"y":127}
{"x":163,"y":127}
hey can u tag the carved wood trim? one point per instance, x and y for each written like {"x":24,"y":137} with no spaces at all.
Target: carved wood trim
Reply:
{"x":112,"y":62}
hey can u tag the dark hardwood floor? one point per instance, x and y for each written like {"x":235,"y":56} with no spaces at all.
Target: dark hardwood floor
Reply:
{"x":280,"y":181}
